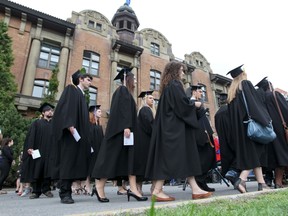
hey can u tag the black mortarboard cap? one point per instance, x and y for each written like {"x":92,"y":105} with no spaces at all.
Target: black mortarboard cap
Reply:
{"x":195,"y":87}
{"x":75,"y":77}
{"x":223,"y":96}
{"x":94,"y":107}
{"x":264,"y":83}
{"x":45,"y":106}
{"x":120,"y":75}
{"x":143,"y":93}
{"x":236,"y":71}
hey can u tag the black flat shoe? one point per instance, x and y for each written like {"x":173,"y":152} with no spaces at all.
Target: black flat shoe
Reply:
{"x":130,"y":193}
{"x":67,"y":200}
{"x":100,"y":199}
{"x":240,"y":185}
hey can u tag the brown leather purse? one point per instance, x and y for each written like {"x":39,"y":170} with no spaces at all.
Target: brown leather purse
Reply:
{"x":282,"y":119}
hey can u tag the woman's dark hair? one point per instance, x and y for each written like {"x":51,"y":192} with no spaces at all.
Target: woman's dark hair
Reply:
{"x":171,"y":72}
{"x":5,"y":141}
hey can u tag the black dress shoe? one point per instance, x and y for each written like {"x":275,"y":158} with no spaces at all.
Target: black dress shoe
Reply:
{"x":130,"y":193}
{"x":100,"y":199}
{"x":205,"y":187}
{"x":67,"y":200}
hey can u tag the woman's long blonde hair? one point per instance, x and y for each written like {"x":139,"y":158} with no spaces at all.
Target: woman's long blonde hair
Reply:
{"x":236,"y":86}
{"x":144,"y":103}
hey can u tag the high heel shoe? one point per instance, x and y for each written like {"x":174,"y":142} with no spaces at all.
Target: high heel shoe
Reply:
{"x":100,"y":199}
{"x":263,"y":186}
{"x":130,"y":193}
{"x":240,"y":185}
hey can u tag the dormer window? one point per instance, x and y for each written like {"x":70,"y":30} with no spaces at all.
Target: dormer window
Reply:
{"x":155,"y":49}
{"x":98,"y":26}
{"x":91,"y":24}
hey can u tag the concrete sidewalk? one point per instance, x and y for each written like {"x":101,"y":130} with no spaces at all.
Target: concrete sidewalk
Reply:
{"x":11,"y":204}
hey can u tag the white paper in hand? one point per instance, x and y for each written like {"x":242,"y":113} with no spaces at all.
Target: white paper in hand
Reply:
{"x":129,"y":141}
{"x":76,"y":135}
{"x":36,"y":154}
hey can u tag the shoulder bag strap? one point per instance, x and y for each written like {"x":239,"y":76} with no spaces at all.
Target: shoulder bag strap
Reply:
{"x":279,"y":110}
{"x":245,"y":102}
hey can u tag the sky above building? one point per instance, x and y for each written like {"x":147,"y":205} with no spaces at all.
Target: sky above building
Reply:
{"x":227,"y":33}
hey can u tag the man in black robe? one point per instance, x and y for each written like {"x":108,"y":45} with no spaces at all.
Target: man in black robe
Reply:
{"x":222,"y":125}
{"x":205,"y":142}
{"x":71,"y":152}
{"x":39,"y":138}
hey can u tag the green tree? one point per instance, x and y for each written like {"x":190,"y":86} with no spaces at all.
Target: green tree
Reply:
{"x":50,"y":97}
{"x":12,"y":123}
{"x":8,"y":86}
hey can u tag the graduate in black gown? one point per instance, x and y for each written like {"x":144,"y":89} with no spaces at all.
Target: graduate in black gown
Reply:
{"x":116,"y":160}
{"x":173,"y":150}
{"x":70,"y":156}
{"x":39,"y":138}
{"x":249,"y":154}
{"x":6,"y":161}
{"x":145,"y":122}
{"x":222,"y":126}
{"x":96,"y":137}
{"x":205,"y":142}
{"x":278,"y":149}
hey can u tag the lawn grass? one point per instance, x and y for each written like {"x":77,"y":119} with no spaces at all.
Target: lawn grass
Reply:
{"x":263,"y":204}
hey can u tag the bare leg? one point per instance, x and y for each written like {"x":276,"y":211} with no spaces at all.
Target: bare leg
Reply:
{"x":87,"y":186}
{"x":133,"y":185}
{"x":279,"y":172}
{"x":158,"y":189}
{"x":259,"y":175}
{"x":100,"y":184}
{"x":195,"y":188}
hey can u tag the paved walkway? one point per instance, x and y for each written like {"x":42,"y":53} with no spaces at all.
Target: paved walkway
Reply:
{"x":11,"y":204}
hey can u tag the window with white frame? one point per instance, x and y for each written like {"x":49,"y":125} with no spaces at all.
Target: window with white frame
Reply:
{"x":40,"y":88}
{"x":49,"y":56}
{"x":154,"y":80}
{"x":91,"y":62}
{"x":93,"y":95}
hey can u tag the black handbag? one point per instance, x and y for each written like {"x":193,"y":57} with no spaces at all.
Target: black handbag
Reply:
{"x":256,"y":131}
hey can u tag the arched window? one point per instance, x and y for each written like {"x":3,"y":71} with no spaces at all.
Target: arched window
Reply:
{"x":40,"y":88}
{"x":91,"y":62}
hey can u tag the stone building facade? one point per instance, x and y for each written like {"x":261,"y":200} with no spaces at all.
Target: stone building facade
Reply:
{"x":89,"y":40}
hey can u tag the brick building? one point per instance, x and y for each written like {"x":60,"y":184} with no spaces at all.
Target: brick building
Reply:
{"x":89,"y":40}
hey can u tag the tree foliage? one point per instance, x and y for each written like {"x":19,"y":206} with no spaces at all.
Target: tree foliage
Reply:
{"x":8,"y":86}
{"x":12,"y":123}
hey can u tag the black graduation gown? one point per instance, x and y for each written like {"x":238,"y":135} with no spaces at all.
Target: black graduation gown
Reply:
{"x":96,"y":136}
{"x":70,"y":159}
{"x":206,"y":151}
{"x":249,"y":154}
{"x":114,"y":159}
{"x":145,"y":121}
{"x":39,"y":137}
{"x":278,"y":149}
{"x":222,"y":125}
{"x":173,"y":151}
